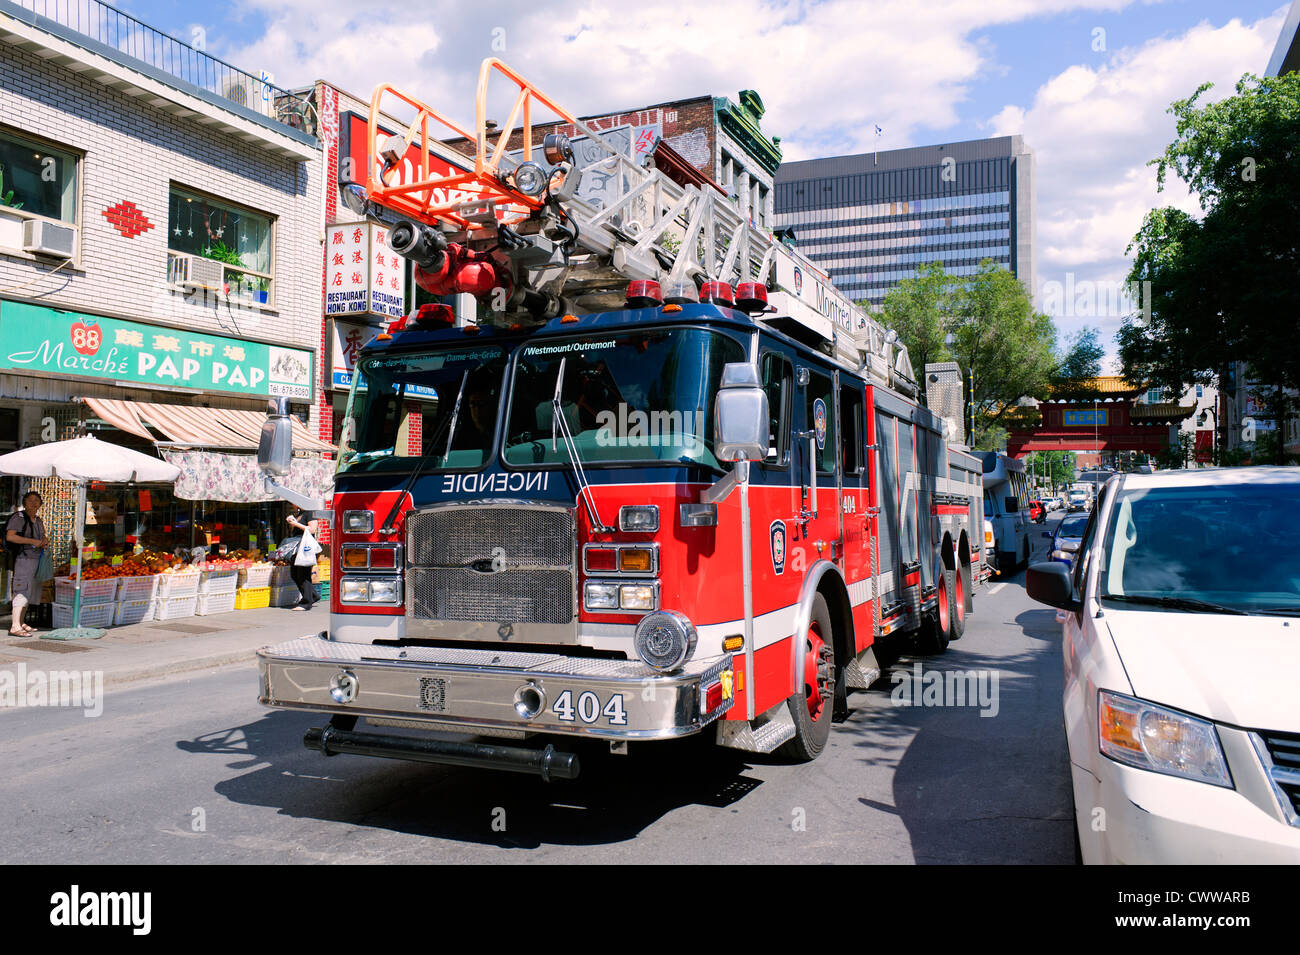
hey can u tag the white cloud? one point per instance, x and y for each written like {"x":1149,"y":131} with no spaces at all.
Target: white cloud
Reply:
{"x":1093,"y":131}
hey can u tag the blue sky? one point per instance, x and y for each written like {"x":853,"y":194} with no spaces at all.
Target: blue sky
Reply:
{"x":928,"y":72}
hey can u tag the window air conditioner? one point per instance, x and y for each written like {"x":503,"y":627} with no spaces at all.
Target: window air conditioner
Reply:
{"x":194,"y":271}
{"x":47,"y":238}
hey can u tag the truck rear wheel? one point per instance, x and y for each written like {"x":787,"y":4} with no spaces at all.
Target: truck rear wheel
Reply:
{"x":957,"y":592}
{"x":812,"y":707}
{"x":936,"y":631}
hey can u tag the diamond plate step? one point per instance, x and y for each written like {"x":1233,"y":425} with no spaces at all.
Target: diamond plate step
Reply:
{"x":763,"y":738}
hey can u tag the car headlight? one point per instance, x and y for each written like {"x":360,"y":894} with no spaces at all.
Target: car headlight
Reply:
{"x":384,"y":591}
{"x":636,"y":597}
{"x":600,"y":596}
{"x":1062,"y":555}
{"x":1141,"y":734}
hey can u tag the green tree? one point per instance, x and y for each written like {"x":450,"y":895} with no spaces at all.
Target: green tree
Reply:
{"x":1079,"y":364}
{"x":1006,"y":348}
{"x":918,"y":309}
{"x":1223,"y":286}
{"x":1056,"y":466}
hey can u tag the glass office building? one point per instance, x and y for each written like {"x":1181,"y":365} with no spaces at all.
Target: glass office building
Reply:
{"x":871,"y":220}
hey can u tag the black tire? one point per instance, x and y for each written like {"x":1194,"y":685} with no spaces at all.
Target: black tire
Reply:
{"x":935,"y":634}
{"x":811,"y":734}
{"x":957,"y":590}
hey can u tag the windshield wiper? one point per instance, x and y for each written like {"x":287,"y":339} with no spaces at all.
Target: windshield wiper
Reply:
{"x":388,"y":527}
{"x":1175,"y":603}
{"x":560,"y":423}
{"x":1292,"y":611}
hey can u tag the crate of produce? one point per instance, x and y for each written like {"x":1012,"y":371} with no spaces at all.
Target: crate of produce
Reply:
{"x":134,"y":611}
{"x":323,"y":569}
{"x":137,"y":588}
{"x":92,"y":615}
{"x":215,"y":582}
{"x":258,"y":575}
{"x":209,"y":604}
{"x":92,"y":591}
{"x":184,"y":584}
{"x":173,"y":608}
{"x":252,"y":598}
{"x":285,"y":596}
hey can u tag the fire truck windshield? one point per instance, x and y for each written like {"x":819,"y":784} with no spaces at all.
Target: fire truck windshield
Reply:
{"x":441,"y":405}
{"x":627,"y":396}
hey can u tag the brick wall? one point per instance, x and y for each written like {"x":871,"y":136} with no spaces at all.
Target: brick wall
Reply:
{"x":133,"y":152}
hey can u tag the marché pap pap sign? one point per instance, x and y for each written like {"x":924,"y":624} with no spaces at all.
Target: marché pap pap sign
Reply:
{"x":35,"y":338}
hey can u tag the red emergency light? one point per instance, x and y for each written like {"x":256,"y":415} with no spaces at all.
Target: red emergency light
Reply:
{"x":751,"y":296}
{"x":644,"y":293}
{"x":435,"y":315}
{"x":719,"y":293}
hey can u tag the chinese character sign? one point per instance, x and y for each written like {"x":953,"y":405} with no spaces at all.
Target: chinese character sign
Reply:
{"x":363,"y":276}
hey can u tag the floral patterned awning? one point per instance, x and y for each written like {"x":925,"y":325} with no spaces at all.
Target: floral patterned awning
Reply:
{"x":212,"y":476}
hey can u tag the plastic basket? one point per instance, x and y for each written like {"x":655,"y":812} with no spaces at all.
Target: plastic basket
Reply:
{"x":252,"y":598}
{"x":221,"y":582}
{"x":254,"y":577}
{"x":134,"y":611}
{"x":92,"y":615}
{"x":281,"y":576}
{"x":173,"y":608}
{"x":92,"y":591}
{"x":137,"y":588}
{"x":323,"y":569}
{"x":209,"y":604}
{"x":324,"y":589}
{"x":177,"y":585}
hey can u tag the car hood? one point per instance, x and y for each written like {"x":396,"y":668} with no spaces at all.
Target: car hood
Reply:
{"x":1231,"y":669}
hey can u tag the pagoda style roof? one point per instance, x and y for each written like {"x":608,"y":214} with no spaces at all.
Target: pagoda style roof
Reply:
{"x":1163,"y":410}
{"x":1103,"y":387}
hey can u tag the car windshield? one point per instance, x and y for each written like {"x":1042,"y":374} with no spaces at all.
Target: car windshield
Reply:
{"x":1225,"y":544}
{"x":1072,"y":526}
{"x":440,"y":404}
{"x":639,"y":395}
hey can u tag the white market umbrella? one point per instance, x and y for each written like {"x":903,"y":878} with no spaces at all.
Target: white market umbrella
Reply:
{"x":81,"y":460}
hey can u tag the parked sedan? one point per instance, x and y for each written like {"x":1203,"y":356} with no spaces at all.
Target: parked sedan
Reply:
{"x":1181,"y":645}
{"x":1066,"y":538}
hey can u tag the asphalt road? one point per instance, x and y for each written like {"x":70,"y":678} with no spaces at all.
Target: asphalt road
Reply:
{"x":195,"y":771}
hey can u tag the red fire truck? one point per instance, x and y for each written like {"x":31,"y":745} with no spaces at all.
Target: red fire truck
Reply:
{"x":672,"y":481}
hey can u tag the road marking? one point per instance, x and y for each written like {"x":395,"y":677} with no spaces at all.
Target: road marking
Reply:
{"x":996,"y":587}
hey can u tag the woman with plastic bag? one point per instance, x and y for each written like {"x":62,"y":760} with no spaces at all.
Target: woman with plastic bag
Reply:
{"x":304,"y":560}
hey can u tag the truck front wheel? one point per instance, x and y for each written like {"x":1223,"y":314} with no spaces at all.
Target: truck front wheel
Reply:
{"x":811,"y":708}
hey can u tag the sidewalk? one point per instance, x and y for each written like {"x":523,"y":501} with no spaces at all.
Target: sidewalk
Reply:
{"x":159,"y":648}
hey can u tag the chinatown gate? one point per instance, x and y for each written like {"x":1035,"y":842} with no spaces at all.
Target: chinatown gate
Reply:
{"x":1103,"y":417}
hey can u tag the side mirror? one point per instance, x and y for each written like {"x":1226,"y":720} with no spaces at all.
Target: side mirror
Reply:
{"x":1070,"y":547}
{"x":740,"y":415}
{"x":275,"y":445}
{"x":1049,"y":583}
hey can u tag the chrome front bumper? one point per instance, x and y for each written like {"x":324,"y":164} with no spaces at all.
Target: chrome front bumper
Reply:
{"x":477,"y":689}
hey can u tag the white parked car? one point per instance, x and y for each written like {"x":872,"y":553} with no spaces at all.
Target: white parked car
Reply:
{"x":1182,"y":645}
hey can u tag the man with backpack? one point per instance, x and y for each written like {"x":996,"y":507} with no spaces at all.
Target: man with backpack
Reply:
{"x":25,"y":542}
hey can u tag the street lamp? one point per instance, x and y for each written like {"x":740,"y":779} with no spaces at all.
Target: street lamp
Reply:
{"x":1096,"y":441}
{"x":1214,"y":435}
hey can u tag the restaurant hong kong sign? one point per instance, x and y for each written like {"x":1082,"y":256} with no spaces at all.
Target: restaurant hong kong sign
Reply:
{"x":34,"y":338}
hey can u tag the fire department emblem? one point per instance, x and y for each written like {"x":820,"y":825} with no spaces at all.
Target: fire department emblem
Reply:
{"x":778,"y":547}
{"x":819,"y":422}
{"x":798,"y":282}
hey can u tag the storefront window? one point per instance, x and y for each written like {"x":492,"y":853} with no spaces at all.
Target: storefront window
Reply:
{"x":240,"y":238}
{"x":37,"y":179}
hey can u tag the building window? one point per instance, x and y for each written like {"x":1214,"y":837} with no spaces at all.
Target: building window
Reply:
{"x":1199,"y":392}
{"x":198,"y":225}
{"x":36,"y":179}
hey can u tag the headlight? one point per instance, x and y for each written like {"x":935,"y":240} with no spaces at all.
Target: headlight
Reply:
{"x":384,"y":591}
{"x":1063,"y":555}
{"x":530,"y":179}
{"x":641,"y":518}
{"x":1161,"y":740}
{"x":358,"y":522}
{"x":636,"y":597}
{"x":353,"y":590}
{"x":664,"y":640}
{"x":600,"y":596}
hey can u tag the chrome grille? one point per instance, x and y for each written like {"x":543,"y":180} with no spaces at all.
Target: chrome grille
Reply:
{"x":491,"y":564}
{"x":456,"y":536}
{"x":1284,"y":751}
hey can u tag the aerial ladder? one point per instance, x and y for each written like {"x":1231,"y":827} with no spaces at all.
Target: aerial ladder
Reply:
{"x":510,"y":228}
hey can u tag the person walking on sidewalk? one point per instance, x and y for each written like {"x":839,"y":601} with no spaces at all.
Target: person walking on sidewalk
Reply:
{"x":305,"y":560}
{"x":25,"y":542}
